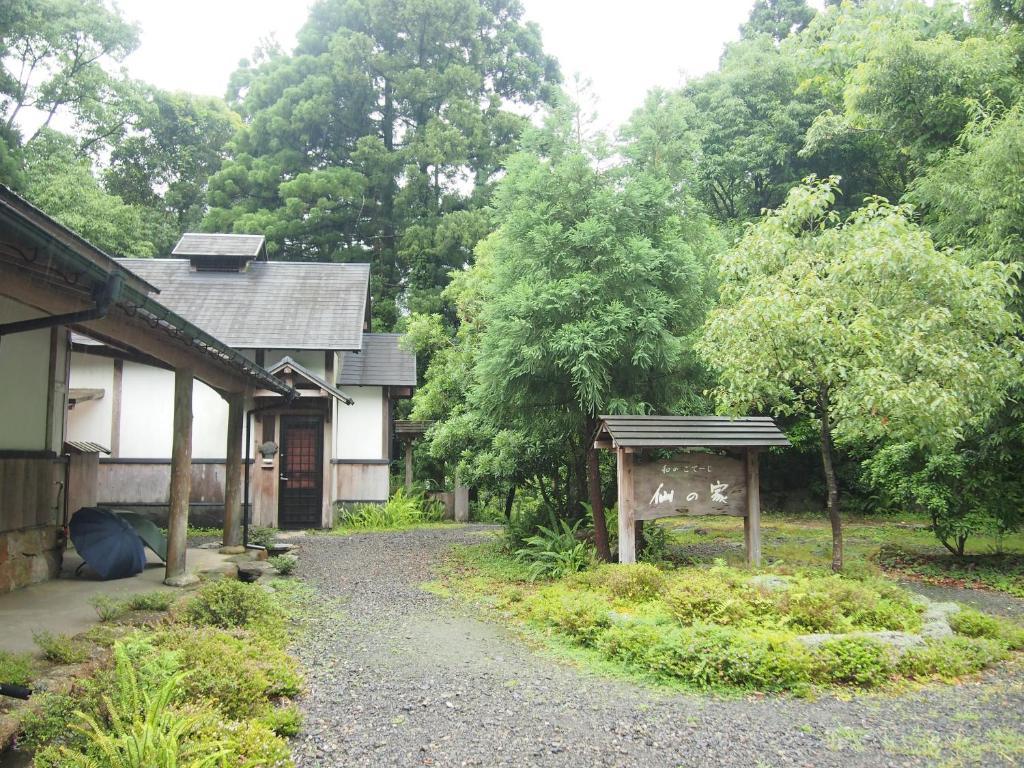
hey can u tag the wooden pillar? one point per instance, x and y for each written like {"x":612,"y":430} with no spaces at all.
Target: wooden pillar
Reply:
{"x":181,"y":479}
{"x":627,"y":529}
{"x":408,"y":466}
{"x":752,"y":522}
{"x":233,"y":474}
{"x":461,"y":501}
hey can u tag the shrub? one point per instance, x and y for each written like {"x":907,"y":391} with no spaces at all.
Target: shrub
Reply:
{"x":710,"y":597}
{"x":722,"y":656}
{"x":840,"y":605}
{"x":284,"y":564}
{"x":633,"y":643}
{"x":284,"y":721}
{"x":151,"y":601}
{"x":555,"y":552}
{"x":853,"y":660}
{"x":525,"y":522}
{"x":580,"y":615}
{"x":249,"y":743}
{"x":229,"y":603}
{"x":16,"y":668}
{"x":640,"y":581}
{"x":950,"y":657}
{"x":972,"y":623}
{"x":261,"y":536}
{"x":60,"y":649}
{"x":108,"y":608}
{"x":239,"y":674}
{"x":46,"y":722}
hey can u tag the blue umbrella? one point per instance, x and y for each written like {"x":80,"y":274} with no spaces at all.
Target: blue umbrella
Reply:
{"x":107,"y":543}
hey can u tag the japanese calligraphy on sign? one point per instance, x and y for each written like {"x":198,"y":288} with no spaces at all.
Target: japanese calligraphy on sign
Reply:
{"x":690,"y":484}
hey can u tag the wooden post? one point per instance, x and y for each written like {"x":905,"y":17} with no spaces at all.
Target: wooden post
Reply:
{"x":408,"y":466}
{"x":181,"y":480}
{"x":627,"y":531}
{"x":233,"y":475}
{"x":752,"y":522}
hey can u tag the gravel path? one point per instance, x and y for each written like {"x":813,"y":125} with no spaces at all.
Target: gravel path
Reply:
{"x":400,"y":677}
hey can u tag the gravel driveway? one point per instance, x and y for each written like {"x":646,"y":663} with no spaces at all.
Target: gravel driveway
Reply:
{"x":400,"y":677}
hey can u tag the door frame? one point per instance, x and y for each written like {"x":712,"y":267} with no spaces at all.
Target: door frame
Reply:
{"x":317,"y":423}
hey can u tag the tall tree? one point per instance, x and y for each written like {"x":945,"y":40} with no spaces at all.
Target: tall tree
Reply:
{"x":594,"y":286}
{"x":777,"y":18}
{"x":380,"y":137}
{"x":54,"y":56}
{"x":863,"y":325}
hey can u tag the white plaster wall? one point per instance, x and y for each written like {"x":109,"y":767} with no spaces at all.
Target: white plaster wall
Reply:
{"x":24,"y":374}
{"x":147,"y":416}
{"x":359,"y":428}
{"x":90,"y":421}
{"x":310,"y":359}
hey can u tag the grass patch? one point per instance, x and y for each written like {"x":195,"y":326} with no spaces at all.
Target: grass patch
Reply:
{"x":958,"y":750}
{"x":904,"y":546}
{"x":724,"y":628}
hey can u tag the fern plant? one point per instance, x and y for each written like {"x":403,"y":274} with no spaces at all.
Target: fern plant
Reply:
{"x":145,"y":729}
{"x":555,"y":552}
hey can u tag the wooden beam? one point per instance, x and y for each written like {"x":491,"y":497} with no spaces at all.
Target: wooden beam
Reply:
{"x":752,"y":522}
{"x":627,"y":529}
{"x":181,"y":479}
{"x":120,"y":328}
{"x":233,"y":472}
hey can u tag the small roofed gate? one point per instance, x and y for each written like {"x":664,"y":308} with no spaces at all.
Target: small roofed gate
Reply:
{"x":688,"y":465}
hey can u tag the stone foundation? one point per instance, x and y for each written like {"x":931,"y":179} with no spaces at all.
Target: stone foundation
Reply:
{"x":28,"y":557}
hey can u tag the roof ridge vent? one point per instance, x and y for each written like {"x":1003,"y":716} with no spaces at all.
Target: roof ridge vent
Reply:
{"x":220,"y":252}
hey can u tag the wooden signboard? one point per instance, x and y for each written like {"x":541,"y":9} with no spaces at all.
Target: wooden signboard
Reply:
{"x":689,"y":484}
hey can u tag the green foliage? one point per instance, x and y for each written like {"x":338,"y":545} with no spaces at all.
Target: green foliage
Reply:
{"x":400,"y":511}
{"x":230,"y":604}
{"x":424,"y":103}
{"x":580,"y":615}
{"x":284,"y":721}
{"x":972,"y":623}
{"x":853,"y":661}
{"x":637,"y":582}
{"x":555,"y":552}
{"x":46,"y":722}
{"x":237,"y":673}
{"x":262,"y":536}
{"x":151,"y":601}
{"x":950,"y":657}
{"x":60,"y":648}
{"x":284,"y":564}
{"x":108,"y":608}
{"x":16,"y":668}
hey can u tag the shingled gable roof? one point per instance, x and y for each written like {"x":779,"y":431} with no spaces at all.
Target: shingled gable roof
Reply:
{"x":381,"y":362}
{"x":690,"y":432}
{"x":286,"y":365}
{"x":201,"y":244}
{"x":268,"y":305}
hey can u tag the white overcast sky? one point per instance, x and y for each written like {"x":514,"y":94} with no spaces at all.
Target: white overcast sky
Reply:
{"x":624,"y":47}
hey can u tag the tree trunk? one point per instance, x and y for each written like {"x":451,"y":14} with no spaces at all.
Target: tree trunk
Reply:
{"x":594,"y":492}
{"x":831,"y":482}
{"x":510,"y":498}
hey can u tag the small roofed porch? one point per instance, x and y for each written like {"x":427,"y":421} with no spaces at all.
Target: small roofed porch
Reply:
{"x":53,"y":282}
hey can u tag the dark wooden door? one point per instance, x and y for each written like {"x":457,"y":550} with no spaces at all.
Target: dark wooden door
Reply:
{"x":301,"y":489}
